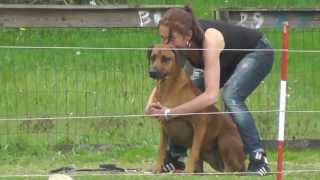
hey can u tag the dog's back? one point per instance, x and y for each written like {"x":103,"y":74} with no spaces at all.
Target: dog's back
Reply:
{"x":181,"y":128}
{"x":221,"y":132}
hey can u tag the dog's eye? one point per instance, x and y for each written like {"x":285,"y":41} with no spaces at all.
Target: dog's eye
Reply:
{"x":165,"y":59}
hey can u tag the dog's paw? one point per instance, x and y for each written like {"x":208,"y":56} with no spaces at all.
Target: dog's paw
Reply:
{"x":157,"y":169}
{"x":190,"y":169}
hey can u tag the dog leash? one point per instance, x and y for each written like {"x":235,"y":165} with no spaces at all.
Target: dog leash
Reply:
{"x":102,"y":167}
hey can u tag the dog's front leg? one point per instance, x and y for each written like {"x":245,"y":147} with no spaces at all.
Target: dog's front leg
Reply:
{"x":198,"y":137}
{"x":162,"y":151}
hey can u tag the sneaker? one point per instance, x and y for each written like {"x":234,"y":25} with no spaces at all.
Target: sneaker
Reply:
{"x":259,"y":164}
{"x":173,"y":163}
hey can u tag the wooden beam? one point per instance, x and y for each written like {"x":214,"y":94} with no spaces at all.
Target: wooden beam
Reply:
{"x":294,"y":144}
{"x":80,"y":16}
{"x":298,"y":144}
{"x":270,"y":18}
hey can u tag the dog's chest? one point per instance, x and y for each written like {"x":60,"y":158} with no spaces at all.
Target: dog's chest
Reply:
{"x":176,"y":98}
{"x":180,"y":131}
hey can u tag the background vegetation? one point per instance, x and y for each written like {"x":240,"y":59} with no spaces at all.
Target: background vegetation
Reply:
{"x":50,"y":83}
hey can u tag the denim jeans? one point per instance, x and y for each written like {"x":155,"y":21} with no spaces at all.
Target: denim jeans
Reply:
{"x":250,"y":71}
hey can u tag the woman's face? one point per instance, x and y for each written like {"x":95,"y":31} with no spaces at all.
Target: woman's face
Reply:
{"x":173,"y":37}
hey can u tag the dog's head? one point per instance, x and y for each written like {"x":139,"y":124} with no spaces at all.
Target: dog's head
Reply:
{"x":164,"y":61}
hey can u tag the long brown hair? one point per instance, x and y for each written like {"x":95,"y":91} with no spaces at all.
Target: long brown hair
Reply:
{"x":182,"y":20}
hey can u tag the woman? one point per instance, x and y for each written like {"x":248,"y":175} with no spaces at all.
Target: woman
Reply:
{"x":238,"y":72}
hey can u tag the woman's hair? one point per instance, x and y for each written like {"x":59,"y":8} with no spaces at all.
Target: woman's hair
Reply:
{"x":182,"y":20}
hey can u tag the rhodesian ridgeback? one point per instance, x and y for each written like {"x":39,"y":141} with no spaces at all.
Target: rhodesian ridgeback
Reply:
{"x":213,"y":138}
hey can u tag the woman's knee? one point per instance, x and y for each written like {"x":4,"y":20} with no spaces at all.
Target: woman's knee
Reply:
{"x":230,"y":95}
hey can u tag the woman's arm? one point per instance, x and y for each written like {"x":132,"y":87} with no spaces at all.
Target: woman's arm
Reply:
{"x":213,"y":41}
{"x":150,"y":100}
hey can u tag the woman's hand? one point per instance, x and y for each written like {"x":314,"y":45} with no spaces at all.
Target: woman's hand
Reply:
{"x":149,"y":109}
{"x":157,"y":110}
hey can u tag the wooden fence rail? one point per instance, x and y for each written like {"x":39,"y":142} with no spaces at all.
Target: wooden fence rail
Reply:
{"x":80,"y":16}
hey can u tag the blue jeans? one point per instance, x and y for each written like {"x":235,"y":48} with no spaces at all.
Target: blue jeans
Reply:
{"x":250,"y":71}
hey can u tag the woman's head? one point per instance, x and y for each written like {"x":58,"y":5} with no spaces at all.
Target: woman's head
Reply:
{"x":179,"y":27}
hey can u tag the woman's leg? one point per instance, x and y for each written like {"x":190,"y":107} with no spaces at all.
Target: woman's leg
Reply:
{"x":251,"y":70}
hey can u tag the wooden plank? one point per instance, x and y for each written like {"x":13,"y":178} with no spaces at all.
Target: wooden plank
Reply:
{"x":80,"y":16}
{"x":270,"y":18}
{"x":298,"y":144}
{"x":294,"y":144}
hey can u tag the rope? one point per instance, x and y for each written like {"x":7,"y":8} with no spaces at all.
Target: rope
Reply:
{"x":146,"y":115}
{"x":144,"y":49}
{"x":287,"y":172}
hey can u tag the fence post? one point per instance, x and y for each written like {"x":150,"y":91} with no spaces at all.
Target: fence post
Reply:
{"x":283,"y":95}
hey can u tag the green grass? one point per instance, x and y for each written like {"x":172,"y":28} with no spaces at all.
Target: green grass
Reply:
{"x":49,"y":83}
{"x":171,"y":177}
{"x":142,"y":158}
{"x":204,"y":8}
{"x":71,"y":82}
{"x":62,"y":82}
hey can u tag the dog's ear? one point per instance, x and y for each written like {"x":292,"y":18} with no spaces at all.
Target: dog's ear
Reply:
{"x":180,"y":58}
{"x":149,"y":51}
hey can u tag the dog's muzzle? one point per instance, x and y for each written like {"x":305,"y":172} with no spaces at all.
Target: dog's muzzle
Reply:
{"x":156,"y":74}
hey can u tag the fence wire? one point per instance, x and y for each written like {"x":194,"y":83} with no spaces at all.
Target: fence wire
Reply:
{"x":63,"y":75}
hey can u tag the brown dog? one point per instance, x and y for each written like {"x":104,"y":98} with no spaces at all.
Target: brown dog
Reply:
{"x":213,"y":138}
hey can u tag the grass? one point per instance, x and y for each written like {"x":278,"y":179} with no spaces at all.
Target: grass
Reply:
{"x":62,"y":82}
{"x":143,"y":158}
{"x":72,"y":82}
